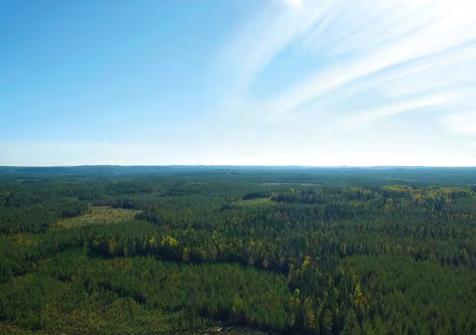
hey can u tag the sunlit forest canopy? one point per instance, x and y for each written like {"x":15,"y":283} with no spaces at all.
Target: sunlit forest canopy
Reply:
{"x":258,"y":250}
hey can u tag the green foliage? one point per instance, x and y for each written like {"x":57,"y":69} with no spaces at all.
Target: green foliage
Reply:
{"x":185,"y":252}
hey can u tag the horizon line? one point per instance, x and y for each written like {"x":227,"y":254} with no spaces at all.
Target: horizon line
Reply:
{"x":237,"y":165}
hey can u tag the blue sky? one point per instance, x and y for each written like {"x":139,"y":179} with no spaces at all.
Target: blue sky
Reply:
{"x":273,"y":82}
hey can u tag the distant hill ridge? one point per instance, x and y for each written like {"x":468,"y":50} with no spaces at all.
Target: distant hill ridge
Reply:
{"x":290,"y":174}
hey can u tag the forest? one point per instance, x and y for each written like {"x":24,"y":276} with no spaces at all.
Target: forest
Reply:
{"x":252,"y":250}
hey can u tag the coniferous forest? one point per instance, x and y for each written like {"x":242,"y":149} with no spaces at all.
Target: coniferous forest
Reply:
{"x":209,"y":250}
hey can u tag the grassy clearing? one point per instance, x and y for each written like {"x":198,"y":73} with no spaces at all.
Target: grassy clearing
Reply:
{"x":98,"y":215}
{"x":253,"y":202}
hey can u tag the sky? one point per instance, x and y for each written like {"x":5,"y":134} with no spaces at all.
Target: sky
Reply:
{"x":236,"y":82}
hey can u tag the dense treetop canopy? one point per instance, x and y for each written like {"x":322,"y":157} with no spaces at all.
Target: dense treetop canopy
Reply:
{"x":160,"y":250}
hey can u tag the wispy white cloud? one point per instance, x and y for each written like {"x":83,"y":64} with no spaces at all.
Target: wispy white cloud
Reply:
{"x":334,"y":77}
{"x":294,"y":4}
{"x":260,"y":39}
{"x":363,"y":118}
{"x":462,"y":123}
{"x":397,"y":48}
